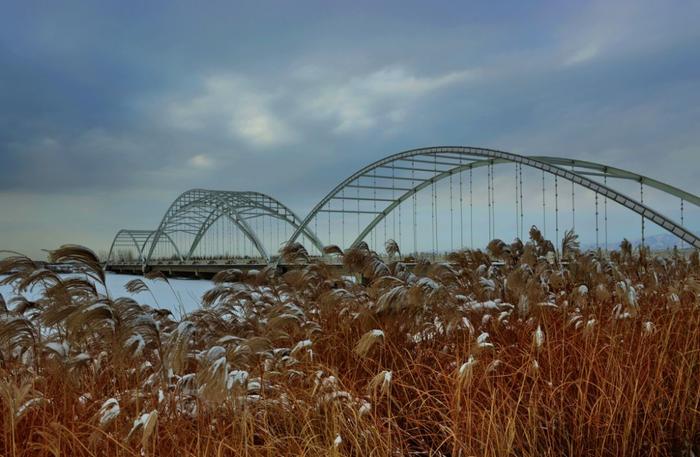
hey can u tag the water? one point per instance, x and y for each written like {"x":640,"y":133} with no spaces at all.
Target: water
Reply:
{"x":184,"y":296}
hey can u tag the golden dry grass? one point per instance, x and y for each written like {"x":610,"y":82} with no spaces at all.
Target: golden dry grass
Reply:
{"x":588,"y":357}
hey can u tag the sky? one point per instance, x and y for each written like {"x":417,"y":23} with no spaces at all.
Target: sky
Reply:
{"x":109,"y":110}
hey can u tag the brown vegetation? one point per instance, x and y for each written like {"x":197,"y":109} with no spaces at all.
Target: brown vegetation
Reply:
{"x":540,"y":354}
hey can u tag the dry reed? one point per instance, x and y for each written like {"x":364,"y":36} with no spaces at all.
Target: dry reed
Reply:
{"x":535,"y":356}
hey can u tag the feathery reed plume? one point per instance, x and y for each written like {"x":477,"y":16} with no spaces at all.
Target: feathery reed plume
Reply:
{"x":538,"y":338}
{"x":482,"y":341}
{"x":147,"y":424}
{"x":157,"y":275}
{"x":332,"y":250}
{"x":694,"y":259}
{"x":498,"y":249}
{"x":108,"y":412}
{"x":381,"y":383}
{"x":17,"y":401}
{"x":465,"y":372}
{"x":80,"y":257}
{"x":294,"y":252}
{"x":355,"y":259}
{"x":136,"y":286}
{"x":626,"y":250}
{"x":18,"y":335}
{"x":178,"y":346}
{"x":392,"y":248}
{"x":233,"y":275}
{"x":569,"y":244}
{"x":368,"y":341}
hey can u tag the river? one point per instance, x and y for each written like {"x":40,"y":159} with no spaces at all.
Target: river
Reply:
{"x":185,"y":294}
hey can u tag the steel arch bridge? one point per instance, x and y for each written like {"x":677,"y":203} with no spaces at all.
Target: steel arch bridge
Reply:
{"x":139,"y":240}
{"x":380,"y":188}
{"x":196,"y":211}
{"x":376,"y":194}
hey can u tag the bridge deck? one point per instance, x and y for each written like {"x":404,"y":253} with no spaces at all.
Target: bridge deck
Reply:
{"x":203,"y":270}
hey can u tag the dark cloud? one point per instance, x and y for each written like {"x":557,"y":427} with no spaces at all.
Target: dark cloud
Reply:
{"x":107,"y":99}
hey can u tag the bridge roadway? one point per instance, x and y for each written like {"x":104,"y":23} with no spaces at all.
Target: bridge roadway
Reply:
{"x":207,"y":270}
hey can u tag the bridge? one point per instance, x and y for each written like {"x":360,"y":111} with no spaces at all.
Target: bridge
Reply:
{"x":429,"y":200}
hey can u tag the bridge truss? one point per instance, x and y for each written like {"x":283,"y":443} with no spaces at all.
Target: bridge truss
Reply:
{"x":430,"y":200}
{"x":208,"y":225}
{"x":374,"y":197}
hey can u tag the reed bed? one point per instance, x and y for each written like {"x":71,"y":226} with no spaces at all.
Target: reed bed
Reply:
{"x":549,"y":352}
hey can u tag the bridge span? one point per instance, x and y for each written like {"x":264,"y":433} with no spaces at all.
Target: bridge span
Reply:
{"x":428,"y":200}
{"x":209,"y":269}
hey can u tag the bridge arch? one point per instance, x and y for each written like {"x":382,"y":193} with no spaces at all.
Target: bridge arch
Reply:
{"x":139,"y":240}
{"x":195,"y":211}
{"x":456,"y":159}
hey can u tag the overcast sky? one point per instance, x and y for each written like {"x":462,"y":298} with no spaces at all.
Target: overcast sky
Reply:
{"x":108,"y":110}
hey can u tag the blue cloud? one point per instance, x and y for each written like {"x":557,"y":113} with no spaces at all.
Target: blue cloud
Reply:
{"x":110,"y":99}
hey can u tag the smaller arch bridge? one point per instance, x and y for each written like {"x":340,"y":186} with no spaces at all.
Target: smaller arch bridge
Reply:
{"x":127,"y":242}
{"x":194,"y":213}
{"x":197,"y":212}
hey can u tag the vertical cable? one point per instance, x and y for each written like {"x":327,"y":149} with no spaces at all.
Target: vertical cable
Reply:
{"x":517,"y":209}
{"x":393,"y":198}
{"x":452,"y":235}
{"x":471,"y":210}
{"x":544,"y":208}
{"x":605,"y":210}
{"x":415,"y":207}
{"x":682,"y":223}
{"x":597,"y":236}
{"x":400,"y":240}
{"x":270,"y":233}
{"x":488,"y":196}
{"x":522,"y":212}
{"x":433,"y":202}
{"x":573,"y":203}
{"x":374,"y":207}
{"x":288,"y":232}
{"x":641,"y":195}
{"x":385,"y":238}
{"x":437,"y":231}
{"x":461,"y":206}
{"x":493,"y":202}
{"x":556,"y":211}
{"x":358,"y":207}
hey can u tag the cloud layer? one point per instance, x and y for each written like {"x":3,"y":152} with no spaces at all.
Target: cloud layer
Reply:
{"x":108,"y":103}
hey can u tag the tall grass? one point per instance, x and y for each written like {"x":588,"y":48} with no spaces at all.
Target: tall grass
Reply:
{"x":578,"y":354}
